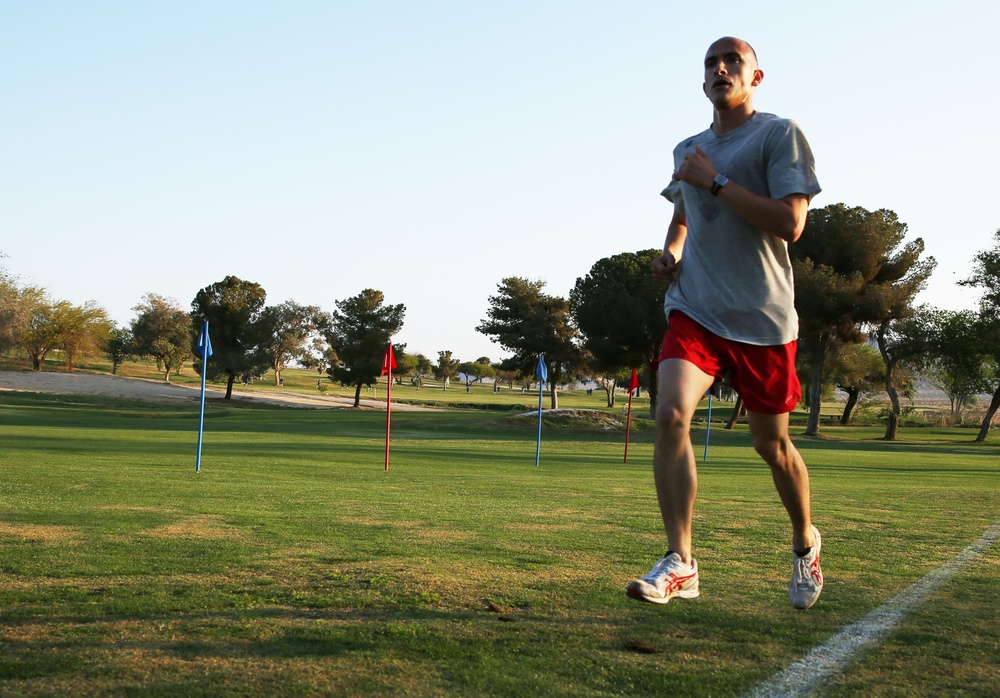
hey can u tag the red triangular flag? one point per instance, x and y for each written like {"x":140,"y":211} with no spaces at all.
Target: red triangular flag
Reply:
{"x":389,"y":361}
{"x":634,"y":382}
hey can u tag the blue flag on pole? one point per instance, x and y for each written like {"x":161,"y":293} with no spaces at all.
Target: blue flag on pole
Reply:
{"x":204,"y":350}
{"x":542,"y":372}
{"x":204,"y":342}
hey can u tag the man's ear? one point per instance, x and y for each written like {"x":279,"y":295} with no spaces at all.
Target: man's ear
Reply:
{"x":758,"y":77}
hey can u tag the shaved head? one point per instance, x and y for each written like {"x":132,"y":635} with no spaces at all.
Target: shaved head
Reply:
{"x":744,"y":47}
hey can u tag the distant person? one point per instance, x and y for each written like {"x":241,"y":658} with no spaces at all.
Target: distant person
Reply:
{"x":741,"y":191}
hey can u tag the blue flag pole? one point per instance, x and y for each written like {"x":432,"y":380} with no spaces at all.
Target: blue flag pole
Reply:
{"x":542,"y":372}
{"x":205,"y":350}
{"x":708,"y":424}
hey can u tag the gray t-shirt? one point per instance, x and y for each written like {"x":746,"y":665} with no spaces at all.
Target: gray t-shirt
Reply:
{"x":734,"y":279}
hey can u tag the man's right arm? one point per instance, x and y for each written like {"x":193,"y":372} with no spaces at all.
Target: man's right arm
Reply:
{"x":665,"y":266}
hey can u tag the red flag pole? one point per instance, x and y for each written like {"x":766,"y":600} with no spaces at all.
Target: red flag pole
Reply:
{"x":388,"y":416}
{"x":628,"y":425}
{"x":632,"y":385}
{"x":388,"y":363}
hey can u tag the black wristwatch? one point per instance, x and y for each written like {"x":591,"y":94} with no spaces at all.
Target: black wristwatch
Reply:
{"x":720,"y":181}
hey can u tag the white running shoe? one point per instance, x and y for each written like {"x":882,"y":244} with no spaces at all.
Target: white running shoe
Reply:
{"x":669,"y":577}
{"x":807,"y":576}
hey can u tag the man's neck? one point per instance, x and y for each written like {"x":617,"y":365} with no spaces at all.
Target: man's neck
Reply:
{"x":726,"y":120}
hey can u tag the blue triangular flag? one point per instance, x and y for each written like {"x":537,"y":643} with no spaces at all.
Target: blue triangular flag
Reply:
{"x":204,"y":342}
{"x":542,"y":371}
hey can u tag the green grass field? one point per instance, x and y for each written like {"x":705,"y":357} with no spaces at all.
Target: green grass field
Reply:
{"x":293,"y":564}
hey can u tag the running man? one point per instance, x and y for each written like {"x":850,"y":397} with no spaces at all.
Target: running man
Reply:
{"x":741,"y":191}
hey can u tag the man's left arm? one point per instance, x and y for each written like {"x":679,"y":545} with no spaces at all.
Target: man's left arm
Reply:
{"x":784,"y":218}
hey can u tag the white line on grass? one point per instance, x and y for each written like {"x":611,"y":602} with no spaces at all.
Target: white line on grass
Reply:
{"x":805,"y":675}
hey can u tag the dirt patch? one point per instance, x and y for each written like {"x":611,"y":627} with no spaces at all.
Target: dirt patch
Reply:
{"x":32,"y":532}
{"x":201,"y":527}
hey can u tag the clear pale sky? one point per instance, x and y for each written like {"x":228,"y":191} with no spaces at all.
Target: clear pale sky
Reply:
{"x":431,"y":149}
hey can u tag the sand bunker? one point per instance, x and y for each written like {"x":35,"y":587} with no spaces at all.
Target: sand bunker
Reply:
{"x":158,"y":391}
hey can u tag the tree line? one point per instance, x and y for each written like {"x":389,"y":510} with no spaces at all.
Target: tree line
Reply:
{"x":856,"y":279}
{"x":249,"y":338}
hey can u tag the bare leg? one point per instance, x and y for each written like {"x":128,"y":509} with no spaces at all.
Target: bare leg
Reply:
{"x":788,"y":470}
{"x":681,"y":387}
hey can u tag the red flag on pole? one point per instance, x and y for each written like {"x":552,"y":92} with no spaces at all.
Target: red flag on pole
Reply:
{"x":632,"y":385}
{"x":634,"y":382}
{"x":388,"y":363}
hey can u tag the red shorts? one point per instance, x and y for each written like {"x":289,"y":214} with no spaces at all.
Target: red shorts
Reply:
{"x":764,"y":375}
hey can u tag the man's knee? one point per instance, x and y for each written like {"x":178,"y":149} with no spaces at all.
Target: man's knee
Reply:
{"x":773,"y":450}
{"x":670,"y":418}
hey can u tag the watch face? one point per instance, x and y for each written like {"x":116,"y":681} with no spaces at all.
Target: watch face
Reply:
{"x":721,"y":180}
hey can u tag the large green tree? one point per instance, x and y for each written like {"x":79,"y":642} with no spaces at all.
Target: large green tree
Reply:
{"x":959,"y":366}
{"x":905,"y":344}
{"x":853,"y":269}
{"x":238,"y":328}
{"x":292,"y":326}
{"x":476,"y":371}
{"x":119,"y":347}
{"x":618,"y":307}
{"x":17,"y":304}
{"x":9,"y":297}
{"x":81,"y":329}
{"x":162,"y":330}
{"x":32,"y":322}
{"x":505,"y":373}
{"x":857,"y":369}
{"x":986,"y":277}
{"x":527,"y":322}
{"x":38,"y":333}
{"x":359,"y":332}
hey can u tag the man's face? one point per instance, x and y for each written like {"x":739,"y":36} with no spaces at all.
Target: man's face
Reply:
{"x":731,"y":73}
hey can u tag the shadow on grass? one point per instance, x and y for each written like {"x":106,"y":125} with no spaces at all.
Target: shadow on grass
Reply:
{"x":487,"y":651}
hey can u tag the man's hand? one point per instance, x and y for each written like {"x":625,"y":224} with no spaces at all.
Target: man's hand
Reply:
{"x":664,"y":268}
{"x":697,"y":169}
{"x":784,"y":218}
